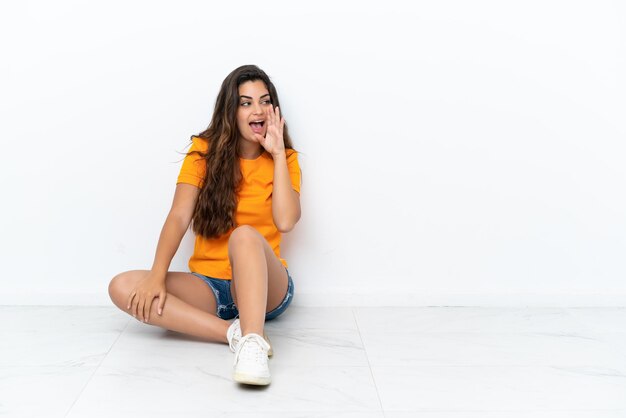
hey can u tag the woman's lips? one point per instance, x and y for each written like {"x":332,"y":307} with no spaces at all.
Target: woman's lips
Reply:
{"x":257,"y":127}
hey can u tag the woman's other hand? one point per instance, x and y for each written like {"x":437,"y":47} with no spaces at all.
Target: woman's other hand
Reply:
{"x":141,"y":297}
{"x":273,"y":141}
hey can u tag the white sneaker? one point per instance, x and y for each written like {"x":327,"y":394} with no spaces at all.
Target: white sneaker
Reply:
{"x":250,"y":365}
{"x":234,"y":335}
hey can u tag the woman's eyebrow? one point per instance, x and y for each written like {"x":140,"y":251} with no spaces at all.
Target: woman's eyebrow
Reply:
{"x":248,"y":97}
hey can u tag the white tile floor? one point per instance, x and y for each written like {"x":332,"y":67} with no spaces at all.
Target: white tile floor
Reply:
{"x":328,"y":362}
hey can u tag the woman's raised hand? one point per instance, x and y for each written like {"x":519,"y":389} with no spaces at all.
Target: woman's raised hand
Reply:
{"x":273,"y":140}
{"x":141,"y":297}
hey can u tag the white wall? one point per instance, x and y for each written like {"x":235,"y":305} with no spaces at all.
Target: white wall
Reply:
{"x":453,"y":152}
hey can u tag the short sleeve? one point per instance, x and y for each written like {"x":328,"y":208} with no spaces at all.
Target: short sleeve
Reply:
{"x":194,"y":166}
{"x":294,"y":170}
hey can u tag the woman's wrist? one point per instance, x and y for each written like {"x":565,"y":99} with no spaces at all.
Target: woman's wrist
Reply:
{"x":159,"y":271}
{"x":282,"y":153}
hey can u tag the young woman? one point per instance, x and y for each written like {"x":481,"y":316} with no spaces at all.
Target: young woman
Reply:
{"x":239,"y":188}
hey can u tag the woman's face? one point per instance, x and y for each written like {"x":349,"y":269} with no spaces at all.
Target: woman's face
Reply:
{"x":254,"y":100}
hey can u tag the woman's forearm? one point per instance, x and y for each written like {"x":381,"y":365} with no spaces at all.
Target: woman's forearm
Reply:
{"x":285,"y":207}
{"x":172,"y":233}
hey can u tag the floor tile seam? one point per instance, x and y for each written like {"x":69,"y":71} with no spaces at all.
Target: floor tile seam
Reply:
{"x":563,"y":372}
{"x":369,"y":366}
{"x":192,"y":366}
{"x":96,"y":370}
{"x":290,"y":366}
{"x":552,"y":366}
{"x":444,"y":338}
{"x":538,"y":333}
{"x":618,"y":368}
{"x":287,"y":331}
{"x":503,"y":410}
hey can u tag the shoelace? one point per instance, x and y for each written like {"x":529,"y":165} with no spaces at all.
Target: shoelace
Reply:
{"x":252,"y":348}
{"x":236,"y":335}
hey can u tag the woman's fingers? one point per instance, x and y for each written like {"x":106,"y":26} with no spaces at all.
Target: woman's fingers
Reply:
{"x":142,"y":310}
{"x":274,"y":119}
{"x":161,"y":302}
{"x":280,"y":122}
{"x":130,"y":299}
{"x":146,"y":311}
{"x":133,"y":305}
{"x":137,"y":307}
{"x":133,"y":308}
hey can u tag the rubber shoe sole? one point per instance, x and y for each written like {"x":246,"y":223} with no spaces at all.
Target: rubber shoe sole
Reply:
{"x":251,"y":380}
{"x":250,"y":364}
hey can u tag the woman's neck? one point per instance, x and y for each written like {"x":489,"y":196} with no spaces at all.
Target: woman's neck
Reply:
{"x":249,"y":151}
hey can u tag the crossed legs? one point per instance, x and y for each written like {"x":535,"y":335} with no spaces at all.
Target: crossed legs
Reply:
{"x":259,"y":285}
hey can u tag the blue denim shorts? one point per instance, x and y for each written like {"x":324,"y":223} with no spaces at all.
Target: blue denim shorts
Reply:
{"x":226,"y":308}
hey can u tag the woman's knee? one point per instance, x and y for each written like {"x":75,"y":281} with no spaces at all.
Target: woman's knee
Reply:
{"x":244,"y":234}
{"x":121,"y":285}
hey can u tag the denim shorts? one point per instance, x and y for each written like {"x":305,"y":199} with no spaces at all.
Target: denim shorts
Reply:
{"x":226,"y":308}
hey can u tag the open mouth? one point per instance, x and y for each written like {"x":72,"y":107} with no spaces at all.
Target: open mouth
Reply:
{"x":257,"y":127}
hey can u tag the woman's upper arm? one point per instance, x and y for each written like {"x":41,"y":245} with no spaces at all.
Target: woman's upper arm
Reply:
{"x":184,"y":202}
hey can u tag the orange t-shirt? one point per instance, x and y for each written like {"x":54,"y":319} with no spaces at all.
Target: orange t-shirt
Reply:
{"x":210,"y":256}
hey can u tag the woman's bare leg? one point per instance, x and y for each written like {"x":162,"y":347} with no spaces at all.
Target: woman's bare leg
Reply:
{"x":189,"y":308}
{"x":259,"y":282}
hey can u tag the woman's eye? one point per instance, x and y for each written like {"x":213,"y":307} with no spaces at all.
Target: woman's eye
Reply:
{"x":264,"y":102}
